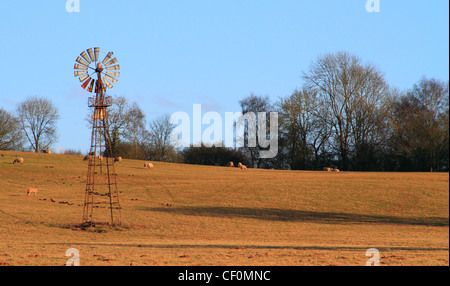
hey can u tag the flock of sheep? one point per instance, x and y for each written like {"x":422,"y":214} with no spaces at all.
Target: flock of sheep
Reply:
{"x":147,"y":165}
{"x":34,"y":190}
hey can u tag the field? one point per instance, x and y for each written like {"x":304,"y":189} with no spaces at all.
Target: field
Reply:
{"x":181,"y":214}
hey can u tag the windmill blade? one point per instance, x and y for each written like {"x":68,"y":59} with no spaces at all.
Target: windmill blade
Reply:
{"x":83,"y":78}
{"x":108,"y":84}
{"x":96,"y":53}
{"x":112,"y":68}
{"x":91,"y":54}
{"x":85,"y":56}
{"x":113,"y":80}
{"x":80,"y":67}
{"x":81,"y":61}
{"x":85,"y":84}
{"x":108,"y":56}
{"x":78,"y":73}
{"x":116,"y":74}
{"x":113,"y":61}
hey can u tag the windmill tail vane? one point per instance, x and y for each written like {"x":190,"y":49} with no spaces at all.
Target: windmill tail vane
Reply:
{"x":101,"y":190}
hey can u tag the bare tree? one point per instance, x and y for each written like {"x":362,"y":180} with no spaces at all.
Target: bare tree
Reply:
{"x":343,"y":82}
{"x":421,"y":126}
{"x":118,"y":121}
{"x":254,"y":104}
{"x":304,"y":126}
{"x":11,"y":137}
{"x":136,"y":132}
{"x":159,"y":136}
{"x":37,"y":117}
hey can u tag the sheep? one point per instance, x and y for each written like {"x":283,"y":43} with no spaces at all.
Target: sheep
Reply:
{"x":118,"y":159}
{"x":46,"y":151}
{"x":239,"y":165}
{"x":148,"y":165}
{"x":93,"y":153}
{"x":243,"y":167}
{"x":230,"y":164}
{"x":32,"y":190}
{"x":327,"y":169}
{"x":87,"y":157}
{"x":18,"y":160}
{"x":100,"y":157}
{"x":336,"y":170}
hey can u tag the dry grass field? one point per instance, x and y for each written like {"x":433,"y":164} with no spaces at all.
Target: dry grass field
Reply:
{"x":181,"y":214}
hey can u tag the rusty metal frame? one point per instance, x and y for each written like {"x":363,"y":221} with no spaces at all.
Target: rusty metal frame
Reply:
{"x":101,"y":176}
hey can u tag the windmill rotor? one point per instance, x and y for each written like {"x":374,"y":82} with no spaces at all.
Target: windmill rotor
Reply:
{"x":107,"y":70}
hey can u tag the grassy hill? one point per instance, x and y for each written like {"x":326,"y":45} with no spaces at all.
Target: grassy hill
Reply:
{"x":181,"y":214}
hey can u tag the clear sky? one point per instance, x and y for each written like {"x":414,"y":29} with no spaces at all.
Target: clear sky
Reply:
{"x":176,"y":53}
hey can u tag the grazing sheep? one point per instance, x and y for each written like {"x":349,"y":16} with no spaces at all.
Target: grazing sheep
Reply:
{"x":100,"y":157}
{"x":230,"y":164}
{"x":18,"y":160}
{"x":118,"y":159}
{"x":327,"y":169}
{"x":239,"y":165}
{"x":243,"y":167}
{"x":93,"y":153}
{"x":148,"y":165}
{"x":87,"y":157}
{"x":32,"y":190}
{"x":47,"y":151}
{"x":336,"y":170}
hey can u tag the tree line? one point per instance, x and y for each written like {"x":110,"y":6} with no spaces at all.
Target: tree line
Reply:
{"x":344,"y":115}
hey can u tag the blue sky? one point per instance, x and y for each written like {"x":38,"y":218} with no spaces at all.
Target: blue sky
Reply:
{"x":176,"y":53}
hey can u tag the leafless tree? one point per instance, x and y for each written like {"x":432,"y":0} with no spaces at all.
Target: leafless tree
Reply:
{"x":304,"y":124}
{"x":255,"y":104}
{"x":11,"y":137}
{"x":421,"y":126}
{"x":136,"y":132}
{"x":159,"y":136}
{"x":347,"y":86}
{"x":37,"y":118}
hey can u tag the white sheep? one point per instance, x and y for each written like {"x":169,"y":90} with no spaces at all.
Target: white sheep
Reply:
{"x":243,"y":167}
{"x":148,"y":165}
{"x":118,"y":159}
{"x":239,"y":165}
{"x":327,"y":169}
{"x":230,"y":164}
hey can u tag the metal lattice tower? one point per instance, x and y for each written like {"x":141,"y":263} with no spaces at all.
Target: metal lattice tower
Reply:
{"x":101,"y":193}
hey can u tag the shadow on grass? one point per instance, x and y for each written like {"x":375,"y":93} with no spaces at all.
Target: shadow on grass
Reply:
{"x":271,"y":214}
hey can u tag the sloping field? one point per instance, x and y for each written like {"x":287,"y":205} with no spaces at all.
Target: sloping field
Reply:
{"x":197,"y":215}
